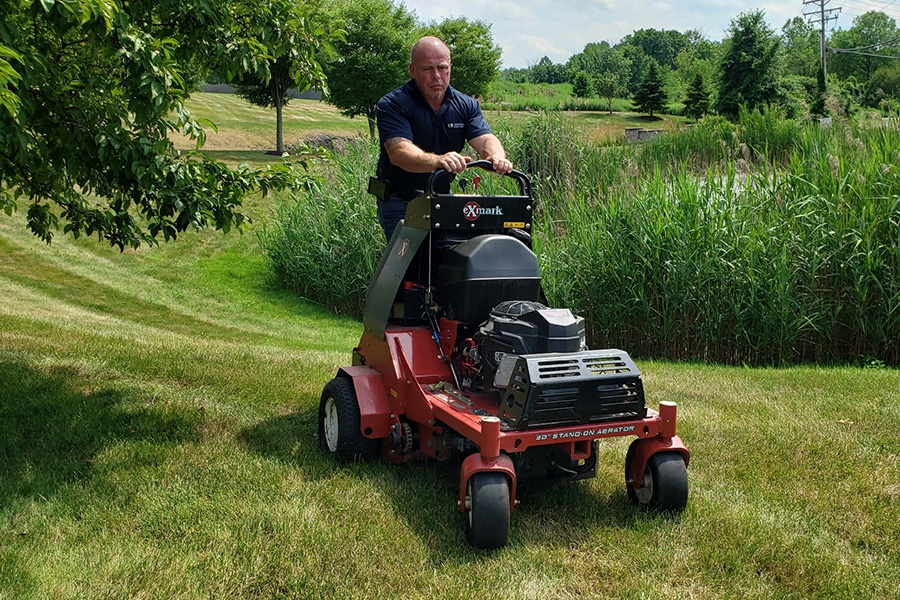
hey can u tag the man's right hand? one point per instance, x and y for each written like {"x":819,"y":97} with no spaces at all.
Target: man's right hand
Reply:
{"x":453,"y":162}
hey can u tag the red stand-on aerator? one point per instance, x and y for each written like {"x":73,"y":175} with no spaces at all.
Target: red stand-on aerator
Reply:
{"x":461,"y":358}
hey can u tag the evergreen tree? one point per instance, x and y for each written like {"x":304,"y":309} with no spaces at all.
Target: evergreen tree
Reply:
{"x":697,"y":102}
{"x":818,"y":104}
{"x":650,"y":95}
{"x":581,"y":86}
{"x":749,"y":70}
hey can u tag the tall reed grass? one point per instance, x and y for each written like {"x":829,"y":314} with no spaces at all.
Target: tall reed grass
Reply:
{"x":324,"y":244}
{"x":764,"y":242}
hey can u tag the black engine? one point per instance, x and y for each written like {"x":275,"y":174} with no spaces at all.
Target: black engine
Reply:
{"x":519,"y":327}
{"x":535,"y":357}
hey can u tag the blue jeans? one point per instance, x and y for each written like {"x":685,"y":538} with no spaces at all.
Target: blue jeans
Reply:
{"x":390,"y":212}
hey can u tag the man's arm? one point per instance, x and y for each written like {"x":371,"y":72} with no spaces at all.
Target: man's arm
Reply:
{"x":409,"y":157}
{"x":489,"y":148}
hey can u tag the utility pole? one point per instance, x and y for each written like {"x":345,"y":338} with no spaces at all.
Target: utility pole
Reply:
{"x":819,"y":15}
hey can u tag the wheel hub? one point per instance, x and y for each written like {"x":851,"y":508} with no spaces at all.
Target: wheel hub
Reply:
{"x":645,"y":492}
{"x":330,"y":424}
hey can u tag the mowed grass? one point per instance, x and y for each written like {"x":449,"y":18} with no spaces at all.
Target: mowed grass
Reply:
{"x":157,"y":427}
{"x":594,"y":126}
{"x":158,"y":440}
{"x":244,"y":133}
{"x":241,"y":126}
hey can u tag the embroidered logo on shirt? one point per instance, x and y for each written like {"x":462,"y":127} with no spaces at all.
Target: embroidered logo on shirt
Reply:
{"x":455,"y":125}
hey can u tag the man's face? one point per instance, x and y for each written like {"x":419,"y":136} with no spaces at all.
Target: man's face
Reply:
{"x":430,"y":69}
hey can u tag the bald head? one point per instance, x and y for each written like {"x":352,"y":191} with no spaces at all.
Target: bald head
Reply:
{"x":429,"y":67}
{"x":428,"y":43}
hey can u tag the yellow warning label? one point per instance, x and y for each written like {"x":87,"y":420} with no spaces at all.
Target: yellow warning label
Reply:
{"x":514,"y":224}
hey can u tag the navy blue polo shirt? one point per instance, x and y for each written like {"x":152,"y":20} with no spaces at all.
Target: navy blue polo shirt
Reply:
{"x":405,"y":113}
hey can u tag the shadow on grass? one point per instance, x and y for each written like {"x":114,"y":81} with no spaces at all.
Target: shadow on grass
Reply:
{"x":54,"y":423}
{"x":424,"y":496}
{"x":291,"y":439}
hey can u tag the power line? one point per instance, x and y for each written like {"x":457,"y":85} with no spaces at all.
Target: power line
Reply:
{"x":868,"y":6}
{"x":843,"y":51}
{"x":875,"y":45}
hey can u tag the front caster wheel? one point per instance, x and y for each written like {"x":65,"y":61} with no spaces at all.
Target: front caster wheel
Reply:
{"x":664,"y":485}
{"x":487,"y":495}
{"x":339,"y":430}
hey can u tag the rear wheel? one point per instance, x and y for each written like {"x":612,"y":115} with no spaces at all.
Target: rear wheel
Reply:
{"x":664,"y":484}
{"x":339,"y":428}
{"x":487,"y":495}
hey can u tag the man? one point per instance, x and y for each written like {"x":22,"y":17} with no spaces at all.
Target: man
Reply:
{"x":423,"y":126}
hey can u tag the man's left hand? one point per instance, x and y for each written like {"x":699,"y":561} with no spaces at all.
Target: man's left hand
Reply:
{"x":501,"y":164}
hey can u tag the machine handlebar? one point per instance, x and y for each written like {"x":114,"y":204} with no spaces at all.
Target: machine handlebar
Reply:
{"x":521,"y":178}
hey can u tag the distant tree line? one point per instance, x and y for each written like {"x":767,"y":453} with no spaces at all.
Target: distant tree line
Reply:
{"x":753,"y":66}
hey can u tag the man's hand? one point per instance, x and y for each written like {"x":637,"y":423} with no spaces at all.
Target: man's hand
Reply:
{"x":453,"y":162}
{"x":489,"y":148}
{"x":501,"y":164}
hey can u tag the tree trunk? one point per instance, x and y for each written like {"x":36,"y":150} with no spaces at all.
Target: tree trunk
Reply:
{"x":371,"y":117}
{"x":279,"y":130}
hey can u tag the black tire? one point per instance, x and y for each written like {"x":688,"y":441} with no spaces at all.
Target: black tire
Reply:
{"x":487,"y":525}
{"x":339,"y":430}
{"x":665,"y":483}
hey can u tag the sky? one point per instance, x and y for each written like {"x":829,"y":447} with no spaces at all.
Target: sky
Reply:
{"x":530,"y":29}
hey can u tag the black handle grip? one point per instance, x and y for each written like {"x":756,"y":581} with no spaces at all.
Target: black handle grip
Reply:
{"x":521,"y":178}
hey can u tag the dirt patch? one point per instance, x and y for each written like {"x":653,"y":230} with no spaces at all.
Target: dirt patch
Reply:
{"x":328,"y":142}
{"x":225,"y":139}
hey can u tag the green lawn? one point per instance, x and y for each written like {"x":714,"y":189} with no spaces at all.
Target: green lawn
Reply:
{"x":246,"y":132}
{"x":157,"y":440}
{"x":597,"y":126}
{"x":240,"y":126}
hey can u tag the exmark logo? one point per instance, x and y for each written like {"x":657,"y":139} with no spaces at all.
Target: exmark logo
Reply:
{"x":472,"y":210}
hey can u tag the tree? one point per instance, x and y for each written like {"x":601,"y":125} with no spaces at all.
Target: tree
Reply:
{"x":749,"y":73}
{"x":650,"y":95}
{"x":661,"y":45}
{"x":884,"y":84}
{"x":697,"y":102}
{"x":688,"y":65}
{"x":638,"y":63}
{"x":473,"y":53}
{"x":92,"y":90}
{"x":546,"y":71}
{"x":373,"y":58}
{"x":800,"y":42}
{"x":581,"y":87}
{"x":598,"y":59}
{"x":817,"y":106}
{"x":607,"y":86}
{"x":289,"y":66}
{"x":270,"y":94}
{"x":869,"y":31}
